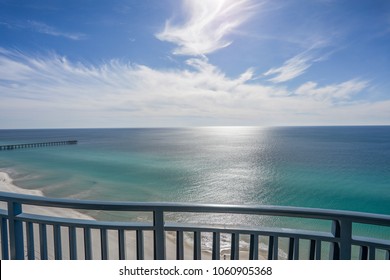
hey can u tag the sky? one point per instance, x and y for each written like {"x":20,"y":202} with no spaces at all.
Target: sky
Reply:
{"x":180,"y":63}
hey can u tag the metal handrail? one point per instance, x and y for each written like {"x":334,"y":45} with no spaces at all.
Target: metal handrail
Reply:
{"x":17,"y":227}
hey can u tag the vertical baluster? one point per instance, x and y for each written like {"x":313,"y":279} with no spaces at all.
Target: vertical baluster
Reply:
{"x":216,"y":245}
{"x":57,"y":242}
{"x":363,"y":254}
{"x":43,"y":241}
{"x":197,"y":245}
{"x":4,"y":239}
{"x":270,"y":247}
{"x":254,"y":247}
{"x":273,"y":248}
{"x":87,"y":243}
{"x":291,"y":244}
{"x":104,"y":244}
{"x":318,"y":249}
{"x":387,"y":256}
{"x":30,"y":240}
{"x":179,"y":245}
{"x":276,"y":248}
{"x":312,"y":249}
{"x":335,"y":246}
{"x":315,"y":249}
{"x":140,"y":245}
{"x":121,"y":244}
{"x":296,"y":248}
{"x":235,"y":247}
{"x":72,"y":243}
{"x":371,"y":252}
{"x":159,"y":235}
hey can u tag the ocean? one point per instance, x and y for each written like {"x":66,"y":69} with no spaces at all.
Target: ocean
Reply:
{"x":346,"y":168}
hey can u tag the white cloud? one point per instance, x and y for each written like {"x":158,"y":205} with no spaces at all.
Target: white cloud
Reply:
{"x":119,"y":85}
{"x":297,"y":65}
{"x":43,"y":28}
{"x":206,"y":25}
{"x":291,"y":69}
{"x":49,"y":30}
{"x":55,"y":92}
{"x":336,"y":92}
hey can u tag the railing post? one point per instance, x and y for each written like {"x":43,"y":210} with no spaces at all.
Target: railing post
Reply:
{"x":197,"y":245}
{"x":293,"y":248}
{"x":363,"y":255}
{"x":342,"y":230}
{"x":235,"y":247}
{"x":121,"y":244}
{"x":4,"y":239}
{"x":57,"y":242}
{"x":87,"y":243}
{"x":254,"y":247}
{"x":140,"y":244}
{"x":15,"y":231}
{"x":43,"y":241}
{"x":159,"y":235}
{"x":216,"y":246}
{"x":104,"y":244}
{"x":179,"y":245}
{"x":72,"y":243}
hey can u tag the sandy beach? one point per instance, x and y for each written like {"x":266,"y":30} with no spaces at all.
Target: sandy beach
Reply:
{"x":6,"y":185}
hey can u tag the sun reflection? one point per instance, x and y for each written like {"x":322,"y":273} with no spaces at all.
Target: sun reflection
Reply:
{"x":230,"y":165}
{"x":231,"y":131}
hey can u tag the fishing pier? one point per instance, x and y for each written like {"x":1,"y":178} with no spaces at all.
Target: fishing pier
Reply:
{"x":36,"y":145}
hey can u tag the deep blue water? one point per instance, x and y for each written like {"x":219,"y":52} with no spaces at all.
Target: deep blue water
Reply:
{"x":324,"y":167}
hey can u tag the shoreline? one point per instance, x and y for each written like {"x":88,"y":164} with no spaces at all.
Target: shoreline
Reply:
{"x":6,"y":185}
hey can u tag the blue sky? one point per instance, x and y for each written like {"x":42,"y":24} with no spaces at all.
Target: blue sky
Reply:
{"x":171,"y":63}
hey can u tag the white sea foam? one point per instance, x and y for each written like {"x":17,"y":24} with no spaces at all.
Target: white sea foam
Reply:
{"x":6,"y":185}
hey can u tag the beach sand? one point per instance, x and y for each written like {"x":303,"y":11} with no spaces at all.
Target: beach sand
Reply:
{"x":6,"y":185}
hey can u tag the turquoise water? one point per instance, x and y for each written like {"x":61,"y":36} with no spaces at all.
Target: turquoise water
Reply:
{"x":324,"y":167}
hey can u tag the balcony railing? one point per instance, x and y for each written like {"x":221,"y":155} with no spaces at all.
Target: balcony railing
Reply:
{"x":25,"y":235}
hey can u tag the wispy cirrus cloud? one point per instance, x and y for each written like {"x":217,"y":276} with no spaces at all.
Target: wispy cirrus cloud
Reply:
{"x":298,"y":64}
{"x":43,"y":28}
{"x":206,"y":25}
{"x":291,"y":69}
{"x":50,"y":30}
{"x":119,"y":84}
{"x":58,"y":92}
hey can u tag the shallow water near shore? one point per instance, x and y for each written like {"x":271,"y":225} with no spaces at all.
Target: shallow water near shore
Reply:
{"x":345,"y":168}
